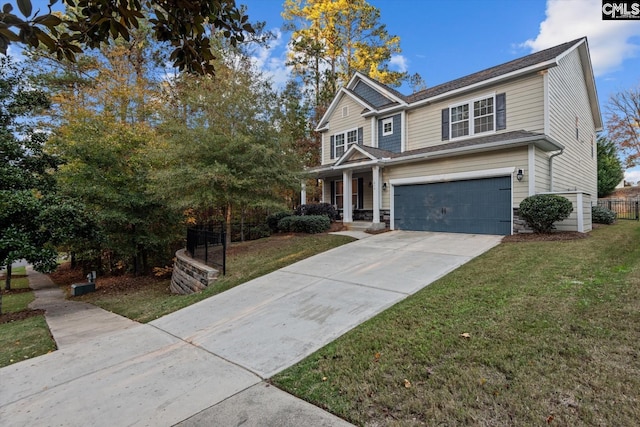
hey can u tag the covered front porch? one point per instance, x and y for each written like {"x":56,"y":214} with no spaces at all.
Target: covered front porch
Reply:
{"x":365,"y":187}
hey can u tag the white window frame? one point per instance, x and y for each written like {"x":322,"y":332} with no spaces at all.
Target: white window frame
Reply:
{"x":471,"y":118}
{"x":385,"y":122}
{"x":346,"y":142}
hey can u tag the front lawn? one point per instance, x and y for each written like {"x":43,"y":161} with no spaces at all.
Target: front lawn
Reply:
{"x":23,"y":332}
{"x":530,"y":333}
{"x":144,"y":299}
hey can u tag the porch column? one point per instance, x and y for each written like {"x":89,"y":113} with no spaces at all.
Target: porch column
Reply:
{"x":347,"y":199}
{"x":303,"y":193}
{"x":322,"y":199}
{"x":375,"y":171}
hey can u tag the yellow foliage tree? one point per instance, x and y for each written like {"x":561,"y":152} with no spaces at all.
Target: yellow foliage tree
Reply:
{"x":332,"y":39}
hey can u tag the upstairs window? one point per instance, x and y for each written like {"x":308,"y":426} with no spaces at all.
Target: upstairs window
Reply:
{"x":474,"y":117}
{"x":387,"y":126}
{"x":340,"y":142}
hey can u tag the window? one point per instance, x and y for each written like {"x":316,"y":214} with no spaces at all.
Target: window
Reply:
{"x":338,"y":200}
{"x":387,"y":126}
{"x":339,"y":144}
{"x":474,"y":117}
{"x":342,"y":141}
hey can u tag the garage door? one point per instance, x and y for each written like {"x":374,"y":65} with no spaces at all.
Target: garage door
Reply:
{"x":481,"y":206}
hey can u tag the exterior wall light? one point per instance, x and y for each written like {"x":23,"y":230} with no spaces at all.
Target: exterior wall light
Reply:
{"x":520,"y":175}
{"x":384,"y":186}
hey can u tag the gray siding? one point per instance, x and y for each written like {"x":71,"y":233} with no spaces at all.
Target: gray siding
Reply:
{"x":392,"y":142}
{"x":576,"y":168}
{"x":371,"y":95}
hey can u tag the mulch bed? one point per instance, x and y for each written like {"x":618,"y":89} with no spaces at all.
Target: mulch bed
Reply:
{"x":19,"y":315}
{"x":544,"y":237}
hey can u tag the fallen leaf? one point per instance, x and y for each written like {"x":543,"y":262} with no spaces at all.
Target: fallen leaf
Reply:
{"x":407,"y":383}
{"x":376,"y":357}
{"x":324,"y":378}
{"x":465,"y":335}
{"x":549,"y":419}
{"x":483,"y":381}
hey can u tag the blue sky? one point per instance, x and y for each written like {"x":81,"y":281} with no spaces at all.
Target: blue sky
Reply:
{"x":442,"y":40}
{"x":445,"y":39}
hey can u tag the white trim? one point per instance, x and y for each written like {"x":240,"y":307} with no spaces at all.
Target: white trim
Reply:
{"x":386,"y":121}
{"x":457,"y":176}
{"x":349,"y":152}
{"x":346,"y":144}
{"x":532,"y":169}
{"x":334,"y":104}
{"x":545,"y":102}
{"x":447,"y":177}
{"x":322,"y":148}
{"x":375,"y":172}
{"x":374,"y":133}
{"x":580,"y":212}
{"x":345,"y":111}
{"x":531,"y":69}
{"x":403,"y":131}
{"x":469,"y":102}
{"x":359,"y":76}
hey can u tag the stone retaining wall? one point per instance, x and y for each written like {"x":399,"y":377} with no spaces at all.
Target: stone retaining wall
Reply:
{"x":190,"y":275}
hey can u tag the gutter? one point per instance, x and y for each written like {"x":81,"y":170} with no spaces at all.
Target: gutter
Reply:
{"x":557,"y":153}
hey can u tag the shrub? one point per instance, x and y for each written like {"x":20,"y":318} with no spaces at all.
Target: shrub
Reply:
{"x":274,"y":219}
{"x":305,"y":224}
{"x":601,"y":215}
{"x":259,"y":231}
{"x":542,"y":210}
{"x":326,"y":209}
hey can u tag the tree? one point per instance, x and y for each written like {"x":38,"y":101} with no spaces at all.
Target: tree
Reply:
{"x":186,"y":25}
{"x":330,"y":41}
{"x":610,"y":171}
{"x":106,"y":106}
{"x":344,"y":36}
{"x":33,"y":220}
{"x":623,"y":124}
{"x":221,"y":148}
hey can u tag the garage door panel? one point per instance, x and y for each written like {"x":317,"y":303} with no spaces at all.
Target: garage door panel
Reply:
{"x":480,"y":206}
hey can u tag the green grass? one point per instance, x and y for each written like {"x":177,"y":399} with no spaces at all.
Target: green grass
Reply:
{"x":247,"y":261}
{"x":554,"y":337}
{"x":24,"y":339}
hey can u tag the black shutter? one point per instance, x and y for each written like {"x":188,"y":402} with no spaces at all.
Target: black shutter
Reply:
{"x":333,"y":148}
{"x":360,"y":136}
{"x":333,"y":192}
{"x":501,"y":111}
{"x":445,"y":124}
{"x":360,"y":193}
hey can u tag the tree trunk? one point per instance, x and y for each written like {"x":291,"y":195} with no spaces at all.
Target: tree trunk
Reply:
{"x":7,"y":282}
{"x":228,"y":223}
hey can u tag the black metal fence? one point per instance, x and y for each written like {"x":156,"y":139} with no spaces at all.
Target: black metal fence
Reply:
{"x":209,"y":246}
{"x":624,"y":209}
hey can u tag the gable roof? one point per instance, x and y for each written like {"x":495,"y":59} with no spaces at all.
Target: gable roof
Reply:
{"x":534,"y":62}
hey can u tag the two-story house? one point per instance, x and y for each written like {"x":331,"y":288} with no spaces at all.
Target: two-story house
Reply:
{"x":461,"y":156}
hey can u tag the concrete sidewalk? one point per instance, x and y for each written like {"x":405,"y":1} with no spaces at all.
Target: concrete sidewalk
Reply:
{"x":205,"y":364}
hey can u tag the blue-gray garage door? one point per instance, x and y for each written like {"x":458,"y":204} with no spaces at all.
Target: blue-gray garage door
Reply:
{"x":480,"y":206}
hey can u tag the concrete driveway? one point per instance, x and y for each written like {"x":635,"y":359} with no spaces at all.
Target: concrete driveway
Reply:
{"x":204,"y":364}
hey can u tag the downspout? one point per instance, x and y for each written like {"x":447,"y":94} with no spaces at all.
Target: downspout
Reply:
{"x":557,"y":153}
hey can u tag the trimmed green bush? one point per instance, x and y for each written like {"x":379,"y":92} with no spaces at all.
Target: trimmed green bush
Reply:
{"x":305,"y":224}
{"x":600,"y":215}
{"x":542,"y":210}
{"x":259,"y":231}
{"x":274,"y":219}
{"x":326,"y":209}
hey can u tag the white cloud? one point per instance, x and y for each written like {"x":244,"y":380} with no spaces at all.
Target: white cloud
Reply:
{"x":632,"y":175}
{"x":271,"y":60}
{"x":400,"y":62}
{"x":609,"y":41}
